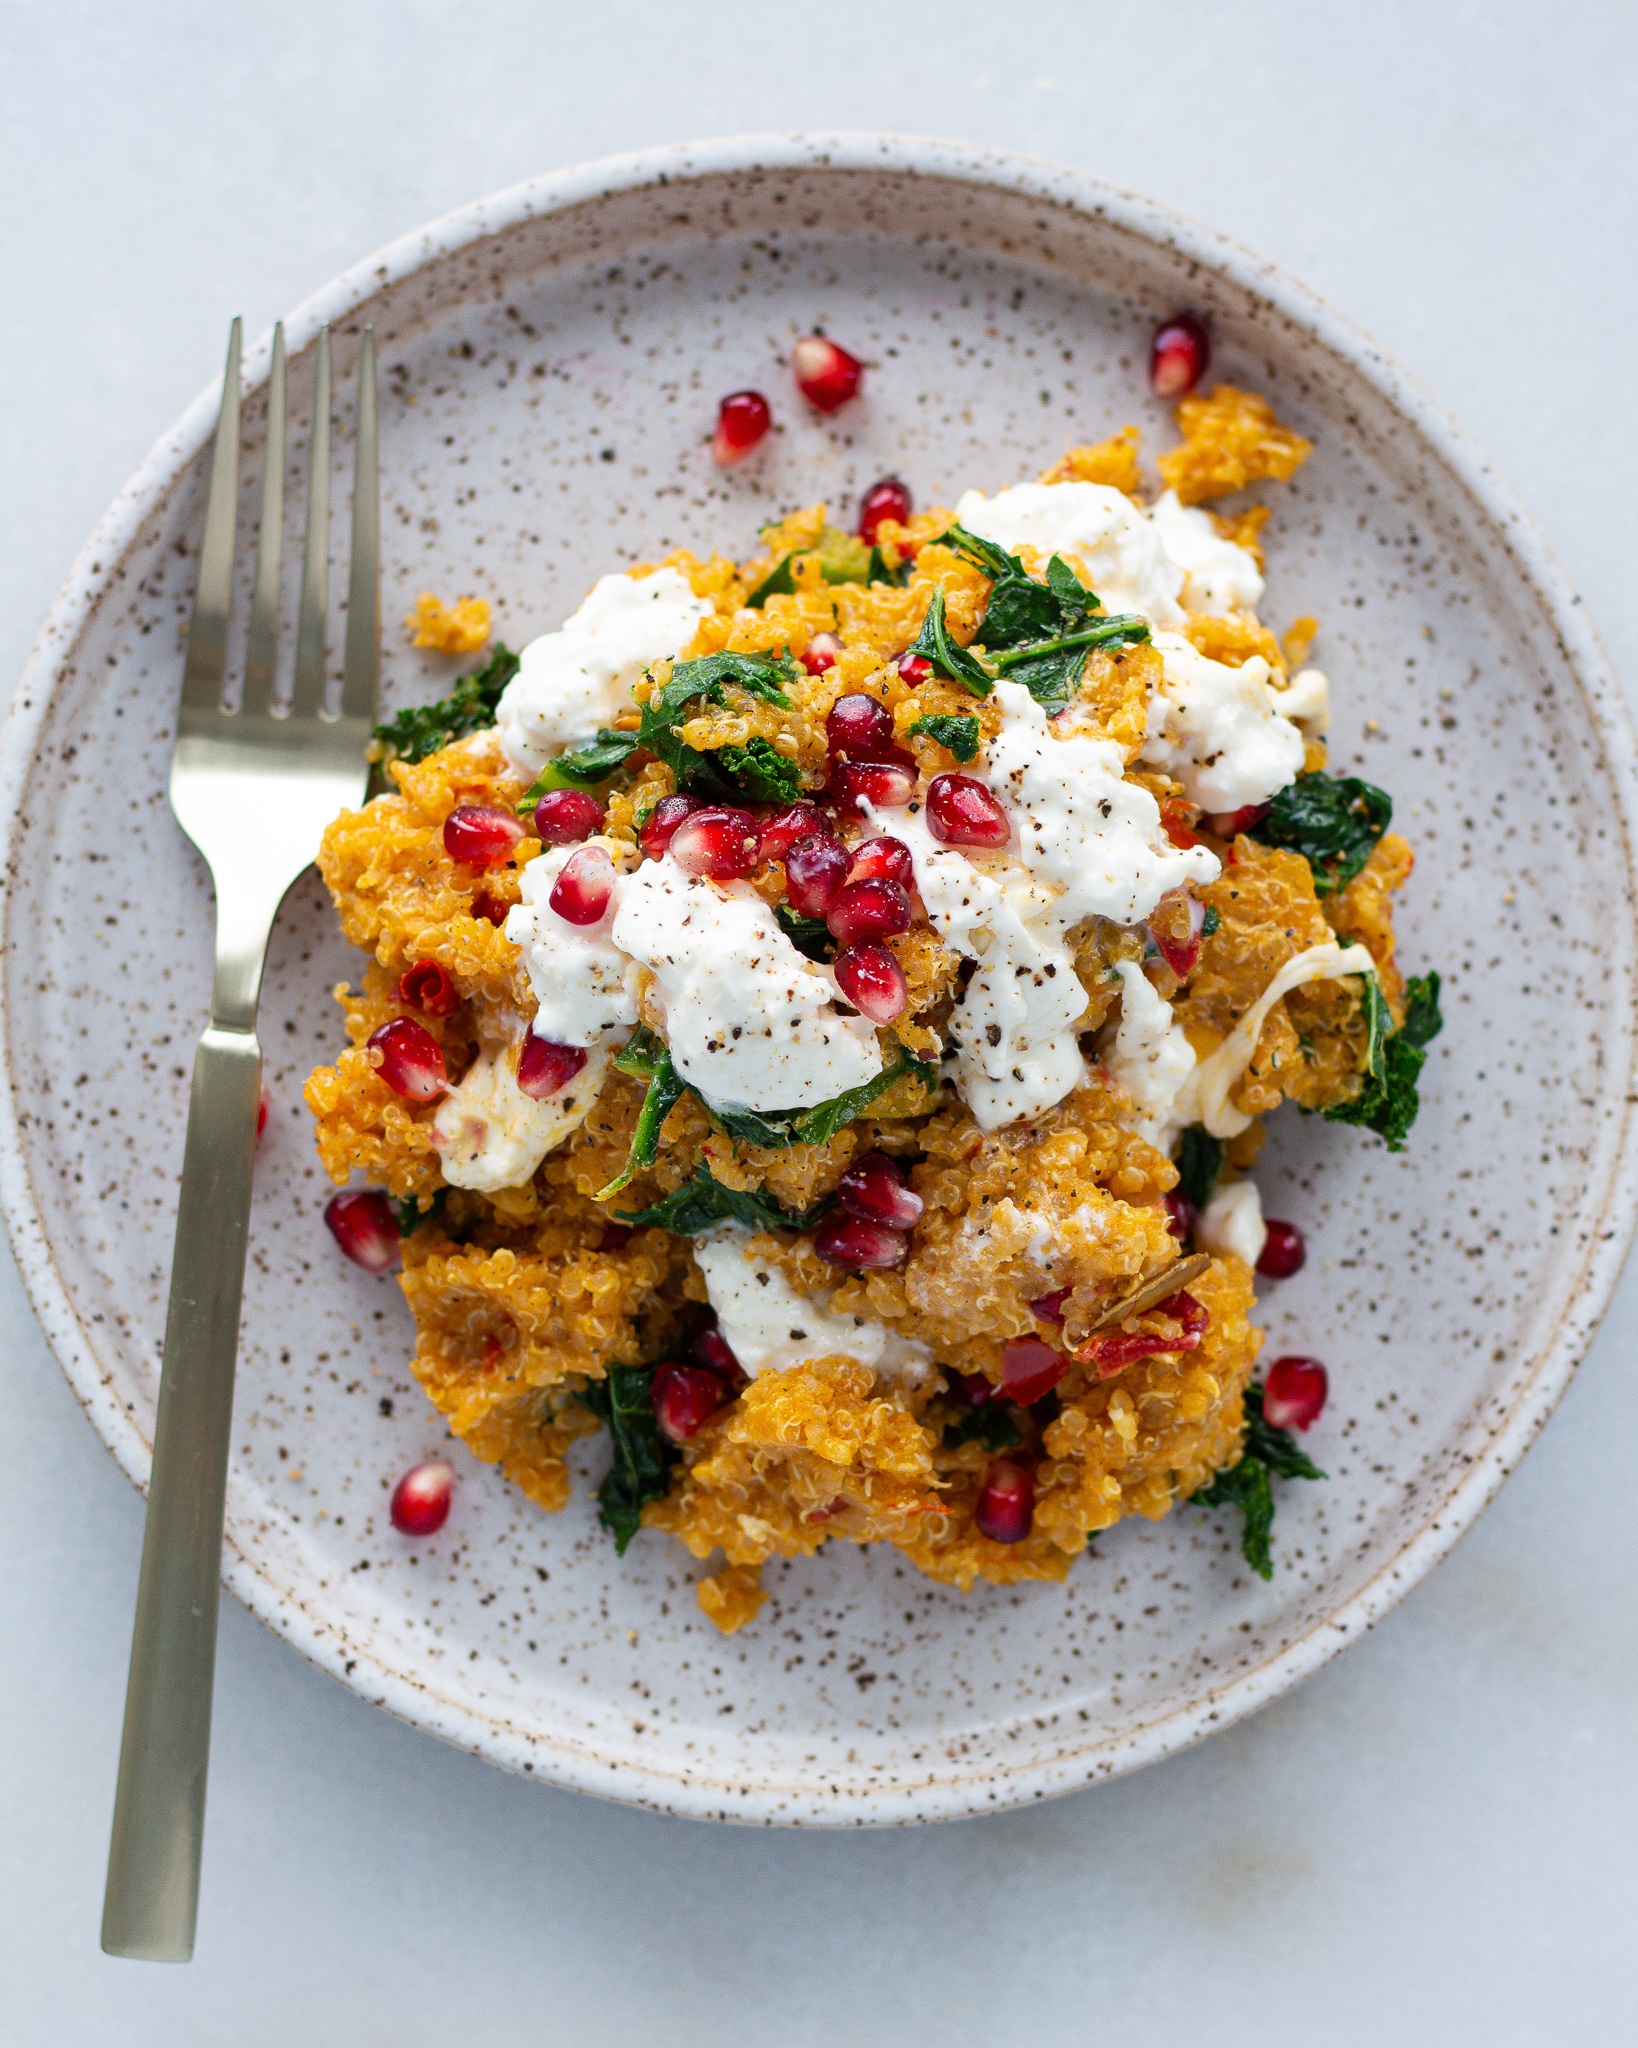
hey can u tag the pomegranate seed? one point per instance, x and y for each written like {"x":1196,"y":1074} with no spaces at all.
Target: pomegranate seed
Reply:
{"x":962,"y":812}
{"x":1181,"y":959}
{"x":888,"y":499}
{"x":743,"y":419}
{"x":846,"y":1240}
{"x":583,"y":890}
{"x":820,"y":653}
{"x":663,"y":820}
{"x":362,"y":1223}
{"x":1246,"y":819}
{"x":264,"y":1103}
{"x":1006,"y":1502}
{"x":564,"y":815}
{"x":886,"y":860}
{"x":1283,"y":1250}
{"x":1050,"y":1307}
{"x":826,"y":376}
{"x":491,"y":908}
{"x":859,"y":728}
{"x":915,"y":669}
{"x":971,"y":1387}
{"x":684,"y":1398}
{"x":1030,"y":1369}
{"x":1294,"y":1392}
{"x":1181,"y":1216}
{"x":1179,"y":358}
{"x":781,"y":832}
{"x":873,"y":1188}
{"x":718,"y":842}
{"x":709,"y":1347}
{"x":479,"y":837}
{"x":815,"y":869}
{"x":411,"y":1063}
{"x":427,"y":986}
{"x":546,"y":1066}
{"x":420,"y":1500}
{"x":888,"y":785}
{"x":868,"y":910}
{"x":872,"y":980}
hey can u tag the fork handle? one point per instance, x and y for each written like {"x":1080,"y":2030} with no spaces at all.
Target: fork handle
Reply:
{"x":152,"y":1898}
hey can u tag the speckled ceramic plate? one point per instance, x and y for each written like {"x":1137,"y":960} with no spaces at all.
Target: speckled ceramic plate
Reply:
{"x":552,"y":358}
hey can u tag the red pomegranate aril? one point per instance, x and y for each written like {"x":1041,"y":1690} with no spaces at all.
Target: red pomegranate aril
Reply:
{"x":885,"y":860}
{"x":1006,"y":1502}
{"x":684,"y":1398}
{"x":845,"y":1240}
{"x":1294,"y":1392}
{"x":859,"y":728}
{"x":889,"y":499}
{"x":584,"y":887}
{"x":743,"y":419}
{"x":874,"y":1188}
{"x":492,"y":909}
{"x":781,"y":831}
{"x":961,"y":811}
{"x":427,"y":986}
{"x":710,"y":1348}
{"x":872,"y":980}
{"x":888,"y":785}
{"x":820,"y":653}
{"x":655,"y":834}
{"x":1181,"y":1216}
{"x":564,"y":816}
{"x":1029,"y":1369}
{"x":875,"y":909}
{"x":826,"y":375}
{"x":916,"y":669}
{"x":971,"y":1387}
{"x":411,"y":1063}
{"x":420,"y":1500}
{"x":362,"y":1223}
{"x":718,"y":842}
{"x":1283,"y":1250}
{"x":815,"y":869}
{"x":545,"y":1066}
{"x":1050,"y":1307}
{"x":479,"y":837}
{"x":264,"y":1105}
{"x":1179,"y":357}
{"x":1246,"y":819}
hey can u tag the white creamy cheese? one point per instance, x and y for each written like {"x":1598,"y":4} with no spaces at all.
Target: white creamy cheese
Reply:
{"x":585,"y":985}
{"x":1151,"y":1057}
{"x":571,"y":682}
{"x":1305,"y":699}
{"x":1216,"y":730}
{"x":1218,"y":575}
{"x":1120,"y":549}
{"x":490,"y":1135}
{"x":1232,"y":1221}
{"x":749,"y":1021}
{"x":769,"y":1326}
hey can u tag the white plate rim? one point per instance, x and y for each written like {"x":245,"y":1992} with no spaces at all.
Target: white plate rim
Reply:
{"x":570,"y":1762}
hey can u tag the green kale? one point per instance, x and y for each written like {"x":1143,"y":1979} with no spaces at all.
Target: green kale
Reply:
{"x":933,"y":643}
{"x":645,"y":1057}
{"x":410,"y":1215}
{"x":703,"y":1201}
{"x":960,"y":735}
{"x":1333,"y":821}
{"x":1387,"y":1102}
{"x":1039,"y":634}
{"x":762,"y":772}
{"x":643,"y":1453}
{"x":809,"y":935}
{"x":779,"y":582}
{"x":469,"y":707}
{"x":992,"y":1426}
{"x":1210,"y":922}
{"x":1422,"y":1018}
{"x":843,"y":558}
{"x":1199,"y":1162}
{"x":878,"y":571}
{"x":1248,"y":1486}
{"x":585,"y":768}
{"x":775,"y":1128}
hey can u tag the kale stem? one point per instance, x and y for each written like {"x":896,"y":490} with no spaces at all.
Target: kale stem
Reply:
{"x":1119,"y":627}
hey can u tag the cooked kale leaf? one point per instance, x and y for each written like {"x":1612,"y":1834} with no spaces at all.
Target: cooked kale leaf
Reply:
{"x":960,"y":735}
{"x":762,"y":772}
{"x":1039,"y":634}
{"x":809,"y":935}
{"x":1333,"y":821}
{"x":469,"y":707}
{"x":949,"y":657}
{"x":879,"y":572}
{"x":645,"y":1057}
{"x":843,"y":558}
{"x":1387,"y":1102}
{"x":776,"y":1128}
{"x":1422,"y":1018}
{"x":1211,"y":921}
{"x":410,"y":1215}
{"x":703,"y":1201}
{"x":992,"y":1426}
{"x":1199,"y":1162}
{"x":1248,"y":1484}
{"x":643,"y":1453}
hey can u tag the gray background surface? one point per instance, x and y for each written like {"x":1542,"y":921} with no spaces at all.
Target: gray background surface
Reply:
{"x":1433,"y":1839}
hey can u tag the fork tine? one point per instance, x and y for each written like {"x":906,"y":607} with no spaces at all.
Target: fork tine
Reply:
{"x":262,"y":647}
{"x":361,"y":672}
{"x":208,"y":629}
{"x":307,"y":700}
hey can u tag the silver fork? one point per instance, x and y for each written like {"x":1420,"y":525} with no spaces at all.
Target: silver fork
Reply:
{"x":253,"y":787}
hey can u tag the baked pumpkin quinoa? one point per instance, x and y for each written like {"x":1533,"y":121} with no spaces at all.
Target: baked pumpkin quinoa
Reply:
{"x":820,"y":1011}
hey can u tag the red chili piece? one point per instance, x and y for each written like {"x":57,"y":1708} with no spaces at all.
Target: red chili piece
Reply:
{"x":684,"y":1398}
{"x":411,"y":1063}
{"x":1294,"y":1392}
{"x":545,"y":1066}
{"x":1283,"y":1251}
{"x":743,"y":419}
{"x":1030,"y":1369}
{"x":874,"y":909}
{"x":479,"y":837}
{"x":844,"y":1240}
{"x":1179,"y":357}
{"x":873,"y":981}
{"x":565,"y":815}
{"x":584,"y":887}
{"x":815,"y":869}
{"x":1113,"y":1354}
{"x":1174,"y":820}
{"x":427,"y":986}
{"x":826,"y":375}
{"x":961,"y":811}
{"x":1006,"y":1502}
{"x":362,"y":1223}
{"x":420,"y":1500}
{"x":874,"y":1188}
{"x":889,"y":499}
{"x":1246,"y":819}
